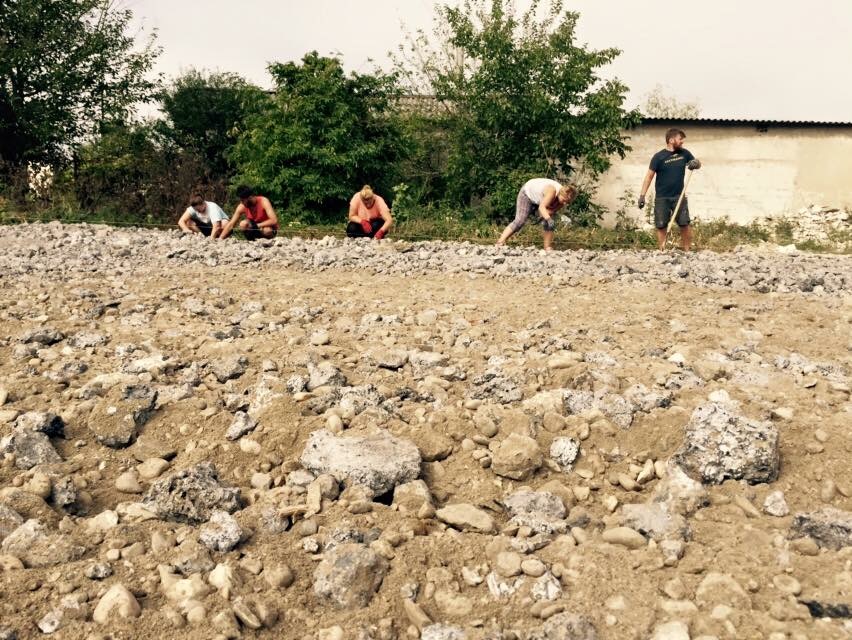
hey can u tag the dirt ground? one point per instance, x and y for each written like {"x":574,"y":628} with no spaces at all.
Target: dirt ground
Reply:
{"x":625,"y":593}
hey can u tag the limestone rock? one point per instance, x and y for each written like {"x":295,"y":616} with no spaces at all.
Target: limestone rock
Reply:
{"x":831,"y":528}
{"x":35,"y":547}
{"x":378,"y":462}
{"x":349,"y":576}
{"x":564,"y":452}
{"x":324,"y":374}
{"x":466,"y":517}
{"x":242,"y":424}
{"x":9,"y":521}
{"x":191,"y":495}
{"x":116,"y":419}
{"x":117,"y":604}
{"x":566,"y":626}
{"x":517,"y":457}
{"x":543,"y":512}
{"x":721,"y":444}
{"x":229,"y":367}
{"x":30,"y":448}
{"x":221,"y":533}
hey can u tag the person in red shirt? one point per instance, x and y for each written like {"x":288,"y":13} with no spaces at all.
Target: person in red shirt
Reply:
{"x":261,"y":220}
{"x":369,"y":216}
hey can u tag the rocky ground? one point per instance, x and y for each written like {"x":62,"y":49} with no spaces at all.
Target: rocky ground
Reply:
{"x":357,"y":440}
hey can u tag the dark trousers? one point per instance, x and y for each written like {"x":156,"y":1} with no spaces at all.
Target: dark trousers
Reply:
{"x":354,"y":229}
{"x":254,"y":232}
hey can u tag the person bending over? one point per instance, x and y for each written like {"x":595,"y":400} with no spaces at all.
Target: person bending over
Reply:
{"x":261,"y":221}
{"x":201,"y":216}
{"x":544,"y":196}
{"x":369,"y":216}
{"x":669,"y":165}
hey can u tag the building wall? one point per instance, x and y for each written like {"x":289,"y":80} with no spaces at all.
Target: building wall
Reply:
{"x":746,"y":174}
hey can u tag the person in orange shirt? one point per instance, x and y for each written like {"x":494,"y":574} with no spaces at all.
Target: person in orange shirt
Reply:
{"x":261,"y":220}
{"x":369,"y":216}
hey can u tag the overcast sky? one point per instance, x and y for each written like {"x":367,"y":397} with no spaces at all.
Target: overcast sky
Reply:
{"x":773,"y":59}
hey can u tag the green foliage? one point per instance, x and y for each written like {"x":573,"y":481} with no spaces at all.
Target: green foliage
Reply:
{"x":133,"y":171}
{"x":658,"y":104}
{"x":67,"y":68}
{"x":205,"y":115}
{"x":519,"y":97}
{"x":322,"y":137}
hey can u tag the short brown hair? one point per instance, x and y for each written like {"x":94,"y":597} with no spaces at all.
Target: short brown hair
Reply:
{"x":671,"y":133}
{"x":195,"y":200}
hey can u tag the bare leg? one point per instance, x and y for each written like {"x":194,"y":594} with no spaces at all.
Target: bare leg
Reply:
{"x":661,"y":239}
{"x":686,"y":237}
{"x":507,"y":233}
{"x":548,"y":240}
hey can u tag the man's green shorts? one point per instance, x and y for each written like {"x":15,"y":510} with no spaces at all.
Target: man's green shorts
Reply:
{"x":663,"y":209}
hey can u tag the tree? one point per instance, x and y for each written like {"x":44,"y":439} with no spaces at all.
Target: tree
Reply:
{"x":520,"y":97}
{"x":322,"y":136}
{"x":659,"y":105}
{"x":205,"y":114}
{"x":67,"y":67}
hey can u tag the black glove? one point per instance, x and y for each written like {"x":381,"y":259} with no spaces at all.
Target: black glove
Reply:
{"x":641,"y":202}
{"x":693,"y":164}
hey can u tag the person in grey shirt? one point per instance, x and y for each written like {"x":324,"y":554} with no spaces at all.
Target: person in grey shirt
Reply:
{"x":670,"y":165}
{"x":201,"y":216}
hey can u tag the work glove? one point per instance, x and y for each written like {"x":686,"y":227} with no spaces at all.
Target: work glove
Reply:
{"x":366,"y":226}
{"x":693,"y":164}
{"x":380,"y":234}
{"x":641,"y":203}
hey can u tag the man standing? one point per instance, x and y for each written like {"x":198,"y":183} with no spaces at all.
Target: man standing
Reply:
{"x":206,"y":218}
{"x":669,"y":165}
{"x":261,"y":220}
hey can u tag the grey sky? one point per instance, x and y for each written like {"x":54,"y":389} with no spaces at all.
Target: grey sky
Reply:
{"x":775,"y":59}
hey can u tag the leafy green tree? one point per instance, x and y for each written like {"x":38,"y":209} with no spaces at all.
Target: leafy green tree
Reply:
{"x":658,"y":104}
{"x":519,"y":98}
{"x":205,"y":113}
{"x":131,"y":172}
{"x":321,"y":137}
{"x":67,"y":67}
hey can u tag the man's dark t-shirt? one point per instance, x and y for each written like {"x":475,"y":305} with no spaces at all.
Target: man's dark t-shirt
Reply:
{"x":670,"y":167}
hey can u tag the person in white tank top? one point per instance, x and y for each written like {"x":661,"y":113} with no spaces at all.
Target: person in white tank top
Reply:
{"x":545,"y":196}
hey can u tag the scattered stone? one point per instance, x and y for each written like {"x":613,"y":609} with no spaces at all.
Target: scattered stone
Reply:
{"x":191,"y":495}
{"x":243,"y":423}
{"x":378,"y":462}
{"x":98,"y":571}
{"x":116,"y":605}
{"x":566,"y":626}
{"x":564,"y":452}
{"x":720,"y":444}
{"x":541,"y":511}
{"x":830,"y":528}
{"x":626,"y":537}
{"x":44,"y":422}
{"x":30,"y":448}
{"x":466,"y":517}
{"x":349,"y":576}
{"x":442,"y":632}
{"x":221,"y":533}
{"x":517,"y":457}
{"x":116,"y":419}
{"x":776,"y":505}
{"x":229,"y":367}
{"x":324,"y":374}
{"x":35,"y":547}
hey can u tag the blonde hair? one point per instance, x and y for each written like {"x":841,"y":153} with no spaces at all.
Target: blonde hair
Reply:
{"x":568,"y":191}
{"x":367,"y":193}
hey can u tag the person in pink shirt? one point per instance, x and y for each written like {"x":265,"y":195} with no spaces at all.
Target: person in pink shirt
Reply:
{"x":369,"y":216}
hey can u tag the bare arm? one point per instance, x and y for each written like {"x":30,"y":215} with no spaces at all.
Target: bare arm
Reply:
{"x":548,"y":198}
{"x":386,"y":215}
{"x":229,"y":227}
{"x":353,"y":210}
{"x":183,"y":223}
{"x":646,"y":183}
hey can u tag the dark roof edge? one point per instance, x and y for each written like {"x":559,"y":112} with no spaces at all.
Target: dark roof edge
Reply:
{"x":754,"y":122}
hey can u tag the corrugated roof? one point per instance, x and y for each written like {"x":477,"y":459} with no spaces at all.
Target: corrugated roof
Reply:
{"x":750,"y":122}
